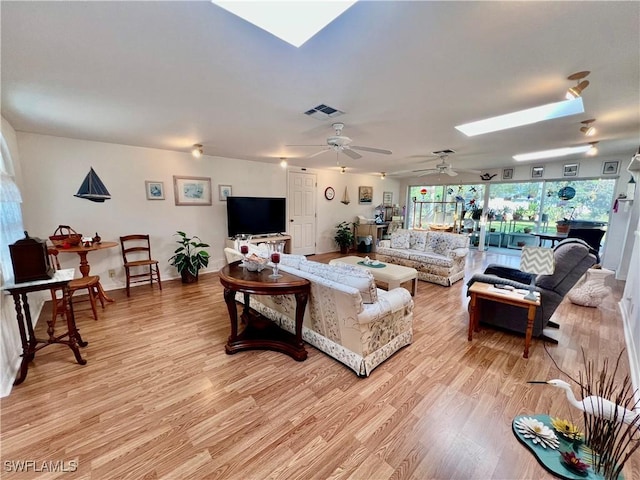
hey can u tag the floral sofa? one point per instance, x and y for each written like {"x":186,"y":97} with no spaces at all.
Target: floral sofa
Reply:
{"x":439,"y":257}
{"x":346,"y":317}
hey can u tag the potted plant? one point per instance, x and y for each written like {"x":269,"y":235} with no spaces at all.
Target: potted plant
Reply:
{"x":189,"y":257}
{"x":344,"y":236}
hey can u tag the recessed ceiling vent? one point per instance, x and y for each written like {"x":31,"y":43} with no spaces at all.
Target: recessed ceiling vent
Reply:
{"x":446,"y":151}
{"x":323,"y":112}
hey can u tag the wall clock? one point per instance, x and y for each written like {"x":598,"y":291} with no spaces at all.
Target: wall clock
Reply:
{"x":329,"y":193}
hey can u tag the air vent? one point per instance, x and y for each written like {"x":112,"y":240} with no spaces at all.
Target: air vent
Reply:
{"x":447,"y":151}
{"x":323,"y":112}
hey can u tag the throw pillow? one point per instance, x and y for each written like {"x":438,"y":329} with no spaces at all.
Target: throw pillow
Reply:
{"x":417,"y":240}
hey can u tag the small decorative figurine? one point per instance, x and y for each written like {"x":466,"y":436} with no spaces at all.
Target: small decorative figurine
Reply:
{"x":97,"y":239}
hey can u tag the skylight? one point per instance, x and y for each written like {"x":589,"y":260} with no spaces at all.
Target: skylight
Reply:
{"x":523,"y":117}
{"x":294,"y":22}
{"x":556,"y":152}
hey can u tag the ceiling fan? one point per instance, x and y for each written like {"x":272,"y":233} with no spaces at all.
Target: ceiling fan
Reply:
{"x":342,"y":143}
{"x":443,"y":166}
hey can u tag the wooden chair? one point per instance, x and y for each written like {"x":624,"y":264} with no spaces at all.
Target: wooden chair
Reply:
{"x":90,"y":283}
{"x":136,"y":254}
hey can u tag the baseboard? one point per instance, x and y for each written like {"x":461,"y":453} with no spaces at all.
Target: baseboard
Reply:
{"x":632,"y":350}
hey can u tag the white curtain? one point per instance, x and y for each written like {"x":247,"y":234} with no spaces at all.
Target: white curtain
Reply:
{"x":11,"y":227}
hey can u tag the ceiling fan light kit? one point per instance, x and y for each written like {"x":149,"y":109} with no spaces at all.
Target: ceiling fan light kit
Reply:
{"x":197,"y":150}
{"x":576,"y":91}
{"x":588,"y":129}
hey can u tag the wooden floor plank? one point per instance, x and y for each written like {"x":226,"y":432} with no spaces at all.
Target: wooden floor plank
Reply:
{"x":159,"y":398}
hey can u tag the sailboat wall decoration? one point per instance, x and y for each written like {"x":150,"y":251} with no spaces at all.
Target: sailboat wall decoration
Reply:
{"x":345,"y":197}
{"x":93,"y":189}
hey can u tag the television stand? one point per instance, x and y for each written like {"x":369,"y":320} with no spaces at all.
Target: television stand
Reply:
{"x":231,"y":243}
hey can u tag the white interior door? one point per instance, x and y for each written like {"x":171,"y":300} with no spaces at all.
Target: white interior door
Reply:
{"x":302,"y":212}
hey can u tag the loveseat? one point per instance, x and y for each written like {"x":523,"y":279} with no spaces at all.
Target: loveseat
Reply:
{"x":439,"y":257}
{"x":346,"y":317}
{"x":572,"y":258}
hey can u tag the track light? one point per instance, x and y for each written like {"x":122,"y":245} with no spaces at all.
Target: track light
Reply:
{"x":197,"y":150}
{"x":593,"y":150}
{"x":575,"y":92}
{"x":588,"y":129}
{"x":382,"y":175}
{"x":343,"y":169}
{"x":283,"y":162}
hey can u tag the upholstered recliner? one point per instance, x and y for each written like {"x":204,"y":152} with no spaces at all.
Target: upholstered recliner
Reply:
{"x":573,"y":257}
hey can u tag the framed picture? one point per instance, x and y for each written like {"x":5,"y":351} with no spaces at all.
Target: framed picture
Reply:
{"x":224,"y":191}
{"x":610,"y":168}
{"x":387,"y":199}
{"x":507,"y":173}
{"x":155,"y":190}
{"x":192,"y":190}
{"x":570,"y":170}
{"x":537,"y":172}
{"x":365,"y":195}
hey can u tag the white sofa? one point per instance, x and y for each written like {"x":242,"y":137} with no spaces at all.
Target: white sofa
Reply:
{"x":439,"y":257}
{"x":346,"y":317}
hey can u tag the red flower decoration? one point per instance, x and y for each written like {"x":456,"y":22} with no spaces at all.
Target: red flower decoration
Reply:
{"x":423,"y":191}
{"x":574,"y":463}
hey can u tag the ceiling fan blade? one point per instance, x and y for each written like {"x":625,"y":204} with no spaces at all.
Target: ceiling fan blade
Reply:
{"x":370,"y":149}
{"x":466,"y":170}
{"x":298,"y":145}
{"x":318,"y":153}
{"x":451,"y":173}
{"x":350,"y":153}
{"x":428,"y":172}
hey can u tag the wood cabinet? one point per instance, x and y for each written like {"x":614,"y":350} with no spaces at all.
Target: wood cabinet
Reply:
{"x":231,"y":243}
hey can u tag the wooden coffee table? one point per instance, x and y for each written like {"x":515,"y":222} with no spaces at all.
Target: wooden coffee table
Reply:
{"x":487,"y":291}
{"x":390,"y":276}
{"x":259,"y":332}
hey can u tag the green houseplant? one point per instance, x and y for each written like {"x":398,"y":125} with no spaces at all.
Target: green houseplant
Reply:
{"x":344,"y":236}
{"x":189,"y":257}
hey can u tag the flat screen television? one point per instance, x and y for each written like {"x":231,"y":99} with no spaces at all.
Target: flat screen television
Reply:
{"x":256,"y":215}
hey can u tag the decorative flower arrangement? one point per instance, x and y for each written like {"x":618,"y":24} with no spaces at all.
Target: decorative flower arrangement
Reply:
{"x":574,"y":463}
{"x":567,"y":429}
{"x":538,"y":432}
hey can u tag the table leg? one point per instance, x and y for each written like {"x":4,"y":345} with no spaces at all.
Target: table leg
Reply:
{"x":527,"y":340}
{"x":230,"y":300}
{"x":472,"y":315}
{"x":84,"y":264}
{"x":26,"y":357}
{"x":74,"y":336}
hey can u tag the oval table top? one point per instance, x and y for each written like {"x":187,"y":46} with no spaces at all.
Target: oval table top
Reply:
{"x":95,"y":246}
{"x":237,"y":278}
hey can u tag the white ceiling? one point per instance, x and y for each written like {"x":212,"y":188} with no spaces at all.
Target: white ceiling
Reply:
{"x":170,"y":74}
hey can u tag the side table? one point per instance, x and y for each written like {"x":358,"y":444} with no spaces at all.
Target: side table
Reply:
{"x":30,"y":343}
{"x":486,"y":291}
{"x":260,"y":332}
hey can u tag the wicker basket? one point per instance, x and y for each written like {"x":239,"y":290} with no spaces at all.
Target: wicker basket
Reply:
{"x":65,"y":236}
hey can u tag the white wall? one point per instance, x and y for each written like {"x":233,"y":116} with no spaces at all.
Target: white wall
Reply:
{"x":54,"y":168}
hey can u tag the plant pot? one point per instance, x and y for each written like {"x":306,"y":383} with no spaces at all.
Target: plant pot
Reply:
{"x":187,"y":277}
{"x":344,"y":249}
{"x":562,"y":228}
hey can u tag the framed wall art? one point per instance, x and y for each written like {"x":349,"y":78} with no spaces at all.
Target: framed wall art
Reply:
{"x":155,"y":190}
{"x":537,"y":172}
{"x":192,"y":190}
{"x":365,"y":195}
{"x":387,"y":199}
{"x":570,"y":170}
{"x":507,"y":173}
{"x":610,"y":168}
{"x":224,"y":191}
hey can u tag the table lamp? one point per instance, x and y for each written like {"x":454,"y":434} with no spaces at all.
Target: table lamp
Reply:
{"x":537,"y":261}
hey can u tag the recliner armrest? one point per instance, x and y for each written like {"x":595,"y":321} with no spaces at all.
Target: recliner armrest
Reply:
{"x":493,"y":280}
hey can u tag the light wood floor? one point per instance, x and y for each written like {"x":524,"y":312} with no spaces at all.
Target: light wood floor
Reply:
{"x":159,"y":398}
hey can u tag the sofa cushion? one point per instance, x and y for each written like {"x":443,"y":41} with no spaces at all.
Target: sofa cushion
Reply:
{"x":400,"y":239}
{"x":351,"y":275}
{"x":417,"y":240}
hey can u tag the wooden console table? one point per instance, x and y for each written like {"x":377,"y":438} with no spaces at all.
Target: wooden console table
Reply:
{"x":486,"y":291}
{"x":260,"y":332}
{"x":30,"y":343}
